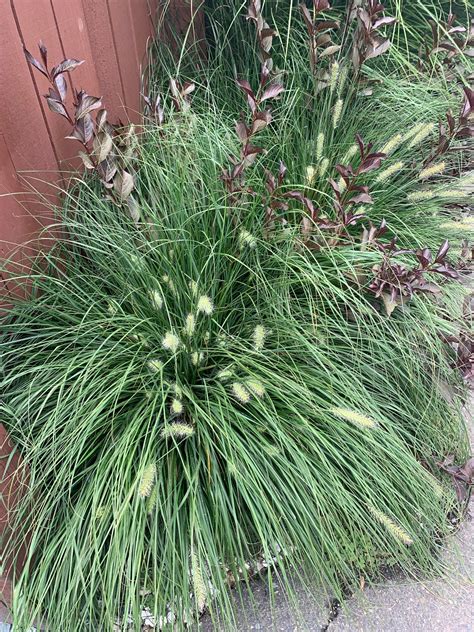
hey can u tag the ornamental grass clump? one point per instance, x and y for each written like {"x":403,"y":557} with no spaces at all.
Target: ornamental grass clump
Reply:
{"x":234,"y":367}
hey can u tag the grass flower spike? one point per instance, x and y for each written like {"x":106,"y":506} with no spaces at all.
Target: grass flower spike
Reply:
{"x":319,"y":145}
{"x":255,"y":387}
{"x":170,"y":342}
{"x":246,"y":239}
{"x":392,"y":527}
{"x":205,"y":305}
{"x":155,"y":365}
{"x":177,"y":431}
{"x":259,"y":335}
{"x":156,"y":298}
{"x":190,"y":326}
{"x":337,"y":111}
{"x":240,"y":392}
{"x":310,"y":175}
{"x":432,"y":171}
{"x":176,"y":407}
{"x":420,"y":136}
{"x":147,"y":481}
{"x":358,"y":419}
{"x":420,"y":196}
{"x":392,"y":144}
{"x":389,"y":172}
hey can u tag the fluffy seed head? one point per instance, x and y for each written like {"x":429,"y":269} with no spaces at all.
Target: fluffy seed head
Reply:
{"x":354,"y":417}
{"x":240,"y":392}
{"x":319,"y":145}
{"x":177,"y":431}
{"x":259,"y":334}
{"x":424,"y":132}
{"x":465,"y":222}
{"x":310,"y":175}
{"x":350,"y":153}
{"x":190,"y":325}
{"x":392,"y":144}
{"x":199,"y":586}
{"x":197,"y":357}
{"x":224,"y":374}
{"x":177,"y":390}
{"x":324,"y":166}
{"x":419,"y":196}
{"x":147,"y":481}
{"x":205,"y":305}
{"x":176,"y":406}
{"x":390,"y":171}
{"x":112,"y":308}
{"x":247,"y":239}
{"x":337,"y":111}
{"x":193,"y":286}
{"x":155,"y":365}
{"x":255,"y":387}
{"x":413,"y":131}
{"x":170,"y":342}
{"x":392,"y":527}
{"x":432,"y":171}
{"x":455,"y":194}
{"x":341,"y":183}
{"x":152,"y":498}
{"x":156,"y":298}
{"x":333,"y":75}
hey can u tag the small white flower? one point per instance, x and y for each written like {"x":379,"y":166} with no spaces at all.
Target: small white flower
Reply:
{"x":205,"y":305}
{"x":170,"y":342}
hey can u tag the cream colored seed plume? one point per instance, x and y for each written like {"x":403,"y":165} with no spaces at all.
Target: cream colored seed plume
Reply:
{"x":324,"y":166}
{"x":255,"y":387}
{"x":240,"y":392}
{"x":155,"y":365}
{"x":224,"y":374}
{"x":193,"y":286}
{"x":177,"y":431}
{"x":455,"y":194}
{"x":424,"y":132}
{"x":413,"y":131}
{"x":197,"y":357}
{"x":390,"y":171}
{"x":432,"y":171}
{"x":319,"y":145}
{"x":354,"y":417}
{"x":392,"y":144}
{"x":147,"y":481}
{"x":190,"y":326}
{"x":341,"y":183}
{"x":205,"y":305}
{"x":337,"y":111}
{"x":465,"y":222}
{"x":151,"y":502}
{"x":156,"y":298}
{"x":350,"y":153}
{"x":392,"y":527}
{"x":419,"y":196}
{"x":310,"y":175}
{"x":112,"y":308}
{"x":178,"y":391}
{"x":259,"y":334}
{"x":176,"y":406}
{"x":170,"y":342}
{"x":333,"y":75}
{"x":199,"y":586}
{"x":247,"y":239}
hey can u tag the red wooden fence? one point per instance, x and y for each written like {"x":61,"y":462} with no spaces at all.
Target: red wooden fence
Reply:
{"x":111,"y":36}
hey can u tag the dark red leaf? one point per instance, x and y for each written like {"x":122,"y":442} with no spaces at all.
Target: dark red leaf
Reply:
{"x":66,"y":66}
{"x":443,"y":249}
{"x":34,"y":62}
{"x":57,"y":107}
{"x":272,"y":91}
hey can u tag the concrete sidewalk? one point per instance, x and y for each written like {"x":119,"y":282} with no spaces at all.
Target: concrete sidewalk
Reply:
{"x":397,"y":605}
